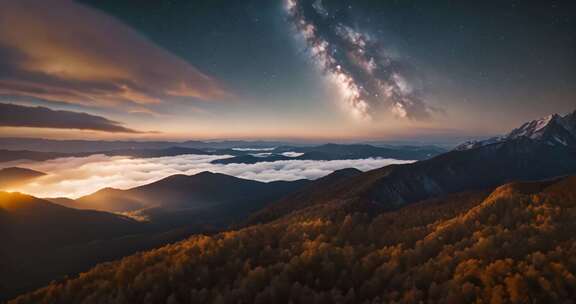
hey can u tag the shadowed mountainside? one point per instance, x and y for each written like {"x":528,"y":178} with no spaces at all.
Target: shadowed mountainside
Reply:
{"x":202,"y":190}
{"x":313,"y":193}
{"x":73,"y":240}
{"x":514,"y":245}
{"x":395,"y":186}
{"x":31,"y":226}
{"x":13,"y":155}
{"x":14,"y":176}
{"x":533,"y":153}
{"x":335,"y":152}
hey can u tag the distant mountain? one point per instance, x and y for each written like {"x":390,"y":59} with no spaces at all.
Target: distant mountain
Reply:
{"x":479,"y":168}
{"x":91,"y":146}
{"x":335,"y":152}
{"x":180,"y":200}
{"x":11,"y":155}
{"x":44,"y":241}
{"x":72,"y":239}
{"x":36,"y":230}
{"x":356,"y":151}
{"x":14,"y":176}
{"x":241,"y":151}
{"x":39,"y":223}
{"x":204,"y":189}
{"x":251,"y":159}
{"x":315,"y":192}
{"x":515,"y":244}
{"x":475,"y":168}
{"x":551,"y":130}
{"x":237,"y":144}
{"x":147,"y":153}
{"x":421,"y":232}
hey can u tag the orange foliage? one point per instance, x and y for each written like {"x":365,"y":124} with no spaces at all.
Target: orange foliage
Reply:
{"x":515,"y":246}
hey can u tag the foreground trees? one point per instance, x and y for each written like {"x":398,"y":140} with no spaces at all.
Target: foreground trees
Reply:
{"x":517,"y":245}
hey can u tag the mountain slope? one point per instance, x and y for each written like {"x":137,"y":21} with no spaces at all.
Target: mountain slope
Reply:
{"x":251,"y":159}
{"x":209,"y":199}
{"x":550,"y":130}
{"x":309,"y":195}
{"x":482,"y":167}
{"x":339,"y":151}
{"x":14,"y":176}
{"x":515,"y":245}
{"x":335,"y":152}
{"x":34,"y":229}
{"x":171,"y":151}
{"x":36,"y":222}
{"x":11,"y":155}
{"x":71,"y":240}
{"x":204,"y":189}
{"x":485,"y":167}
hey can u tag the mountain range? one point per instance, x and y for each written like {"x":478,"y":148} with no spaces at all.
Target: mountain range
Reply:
{"x":31,"y":226}
{"x":14,"y":176}
{"x":91,"y":146}
{"x":479,"y":167}
{"x":75,"y":236}
{"x":382,"y":236}
{"x":551,"y":130}
{"x":514,"y":244}
{"x":210,"y":198}
{"x":240,"y":155}
{"x":15,"y":155}
{"x":333,"y":152}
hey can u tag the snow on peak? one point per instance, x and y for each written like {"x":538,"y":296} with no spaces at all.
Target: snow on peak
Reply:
{"x":552,"y":129}
{"x":473,"y":144}
{"x":533,"y":129}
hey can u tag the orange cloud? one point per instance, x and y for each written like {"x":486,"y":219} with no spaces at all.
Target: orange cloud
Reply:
{"x":59,"y":50}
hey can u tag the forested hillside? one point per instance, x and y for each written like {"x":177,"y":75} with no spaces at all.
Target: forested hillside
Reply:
{"x":513,"y":245}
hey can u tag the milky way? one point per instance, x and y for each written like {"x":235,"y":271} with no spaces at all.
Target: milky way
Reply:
{"x":368,"y":77}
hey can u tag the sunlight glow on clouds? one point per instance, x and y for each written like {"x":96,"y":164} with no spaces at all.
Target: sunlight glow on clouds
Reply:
{"x":78,"y":176}
{"x":62,"y":51}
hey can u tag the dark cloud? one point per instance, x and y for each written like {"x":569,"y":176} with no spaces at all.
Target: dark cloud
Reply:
{"x":12,"y":115}
{"x":62,"y":51}
{"x":369,"y":77}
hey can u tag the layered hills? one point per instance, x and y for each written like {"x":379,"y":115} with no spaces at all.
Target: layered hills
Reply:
{"x":514,"y":244}
{"x":454,"y":228}
{"x":14,"y":176}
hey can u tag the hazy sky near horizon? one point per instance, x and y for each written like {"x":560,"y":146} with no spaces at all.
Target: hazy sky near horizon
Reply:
{"x":318,"y":69}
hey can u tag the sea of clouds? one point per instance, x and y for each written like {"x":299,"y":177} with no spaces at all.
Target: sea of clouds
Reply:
{"x":74,"y":177}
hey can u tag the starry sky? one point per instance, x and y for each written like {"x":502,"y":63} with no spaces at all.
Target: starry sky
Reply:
{"x":285,"y":69}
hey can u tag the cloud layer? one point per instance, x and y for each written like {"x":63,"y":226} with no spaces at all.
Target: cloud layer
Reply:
{"x":12,"y":115}
{"x":62,"y":51}
{"x":78,"y":176}
{"x":368,"y":76}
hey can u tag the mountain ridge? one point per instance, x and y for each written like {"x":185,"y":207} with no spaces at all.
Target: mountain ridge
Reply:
{"x":141,"y":196}
{"x":512,"y":244}
{"x":478,"y":168}
{"x":552,"y":130}
{"x":13,"y":176}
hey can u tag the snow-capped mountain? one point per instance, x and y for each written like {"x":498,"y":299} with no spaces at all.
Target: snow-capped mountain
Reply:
{"x":551,"y":130}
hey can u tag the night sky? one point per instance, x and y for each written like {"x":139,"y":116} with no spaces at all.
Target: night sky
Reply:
{"x":297,"y":69}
